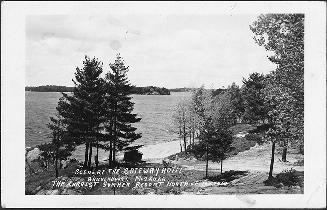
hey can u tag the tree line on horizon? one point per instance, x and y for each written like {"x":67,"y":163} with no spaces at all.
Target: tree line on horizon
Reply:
{"x":148,"y":90}
{"x":274,"y":102}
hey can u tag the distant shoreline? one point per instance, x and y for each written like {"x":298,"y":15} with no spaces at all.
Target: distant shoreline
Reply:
{"x":149,"y":90}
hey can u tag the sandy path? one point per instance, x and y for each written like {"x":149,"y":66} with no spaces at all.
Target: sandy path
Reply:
{"x":256,"y":159}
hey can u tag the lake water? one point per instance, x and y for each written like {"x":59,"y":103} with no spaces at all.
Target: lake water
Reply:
{"x":155,"y":110}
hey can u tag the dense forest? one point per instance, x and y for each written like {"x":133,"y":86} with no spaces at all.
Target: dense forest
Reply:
{"x":149,"y":90}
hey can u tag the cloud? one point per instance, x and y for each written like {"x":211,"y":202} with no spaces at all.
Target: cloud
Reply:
{"x":165,"y":50}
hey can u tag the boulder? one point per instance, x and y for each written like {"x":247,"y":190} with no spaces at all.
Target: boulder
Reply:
{"x":33,"y":154}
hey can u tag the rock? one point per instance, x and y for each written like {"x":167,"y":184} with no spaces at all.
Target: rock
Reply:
{"x":42,"y":192}
{"x":37,"y":189}
{"x":53,"y":192}
{"x":297,"y":187}
{"x":33,"y":154}
{"x":280,"y":185}
{"x":69,"y":192}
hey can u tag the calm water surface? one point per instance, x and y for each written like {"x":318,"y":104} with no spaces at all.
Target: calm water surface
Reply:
{"x":155,"y":110}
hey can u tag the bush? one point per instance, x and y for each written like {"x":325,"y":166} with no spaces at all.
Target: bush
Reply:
{"x":291,"y":178}
{"x":228,"y":176}
{"x":287,"y":178}
{"x":198,"y":150}
{"x":133,"y":156}
{"x":254,"y":137}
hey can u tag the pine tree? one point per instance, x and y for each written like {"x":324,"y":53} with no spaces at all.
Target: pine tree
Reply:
{"x":254,"y":107}
{"x":217,"y":141}
{"x":118,"y":109}
{"x":60,"y":147}
{"x":82,"y":110}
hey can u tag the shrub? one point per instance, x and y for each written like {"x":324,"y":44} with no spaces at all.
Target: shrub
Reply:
{"x":198,"y":150}
{"x":287,"y":178}
{"x":290,"y":178}
{"x":133,"y":156}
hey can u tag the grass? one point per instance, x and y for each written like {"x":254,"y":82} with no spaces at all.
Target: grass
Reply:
{"x":184,"y":176}
{"x":287,"y":178}
{"x":227,"y":176}
{"x":44,"y":177}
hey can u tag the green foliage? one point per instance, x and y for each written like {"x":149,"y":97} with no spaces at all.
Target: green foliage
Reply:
{"x":287,"y":178}
{"x":237,"y":102}
{"x":284,"y":94}
{"x":254,"y":137}
{"x":217,"y":140}
{"x":118,"y":108}
{"x":222,"y":111}
{"x":252,"y":92}
{"x":81,"y":111}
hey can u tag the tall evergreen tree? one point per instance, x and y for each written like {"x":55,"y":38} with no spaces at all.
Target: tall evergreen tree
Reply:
{"x":61,"y":144}
{"x":254,"y":107}
{"x":118,"y":109}
{"x":82,"y":110}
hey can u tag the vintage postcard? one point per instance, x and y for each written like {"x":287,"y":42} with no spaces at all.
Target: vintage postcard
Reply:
{"x":166,"y":104}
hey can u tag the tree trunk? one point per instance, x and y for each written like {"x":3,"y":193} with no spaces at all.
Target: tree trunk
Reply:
{"x":221,"y":166}
{"x":193,"y":136}
{"x":301,"y":150}
{"x":180,"y":138}
{"x":97,"y":156}
{"x":110,"y":154}
{"x":110,"y":149}
{"x":207,"y":161}
{"x":284,"y":151}
{"x":90,"y":156}
{"x":114,"y":145}
{"x":184,"y":137}
{"x":86,"y":154}
{"x":272,"y":160}
{"x":56,"y":167}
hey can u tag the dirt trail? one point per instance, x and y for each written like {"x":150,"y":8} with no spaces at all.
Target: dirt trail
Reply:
{"x":256,"y":162}
{"x":256,"y":159}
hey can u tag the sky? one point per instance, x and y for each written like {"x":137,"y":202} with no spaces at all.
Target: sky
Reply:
{"x":161,"y":50}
